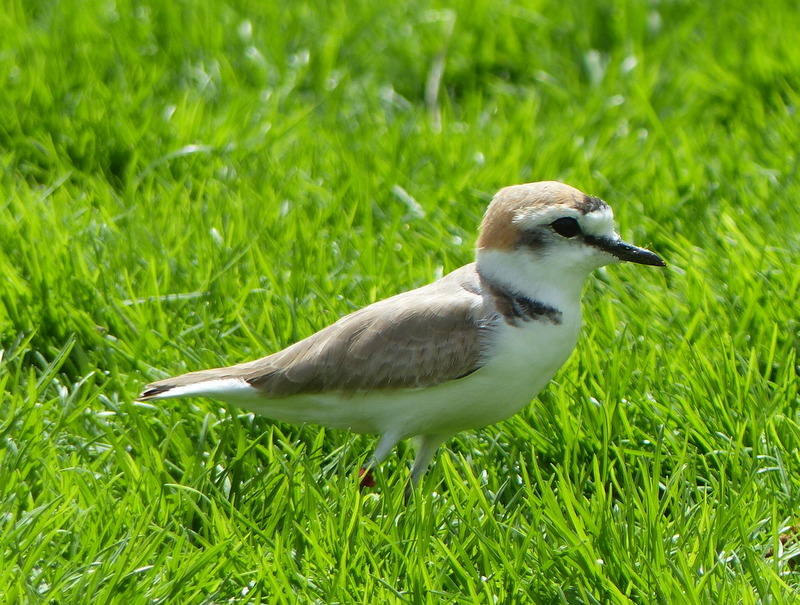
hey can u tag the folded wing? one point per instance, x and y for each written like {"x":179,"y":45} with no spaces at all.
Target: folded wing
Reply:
{"x":417,"y":339}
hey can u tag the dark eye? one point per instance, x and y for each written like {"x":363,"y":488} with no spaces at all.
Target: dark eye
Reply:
{"x":566,"y":227}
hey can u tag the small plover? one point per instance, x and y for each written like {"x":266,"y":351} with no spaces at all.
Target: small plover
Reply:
{"x":465,"y":351}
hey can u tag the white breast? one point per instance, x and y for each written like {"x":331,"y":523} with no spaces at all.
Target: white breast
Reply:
{"x":524,"y":361}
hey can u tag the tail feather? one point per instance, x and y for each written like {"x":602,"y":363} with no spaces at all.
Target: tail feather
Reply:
{"x":219,"y":383}
{"x":153,"y":391}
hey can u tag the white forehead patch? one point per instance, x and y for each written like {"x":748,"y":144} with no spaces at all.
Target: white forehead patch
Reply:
{"x":599,"y":222}
{"x":530,"y":217}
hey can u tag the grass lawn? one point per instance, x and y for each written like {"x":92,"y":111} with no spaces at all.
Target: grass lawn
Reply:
{"x":187,"y":185}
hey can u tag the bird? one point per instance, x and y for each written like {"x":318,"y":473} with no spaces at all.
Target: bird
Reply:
{"x":466,"y":351}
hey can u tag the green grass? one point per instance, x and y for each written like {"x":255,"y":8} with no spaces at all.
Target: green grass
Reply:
{"x":193,"y":184}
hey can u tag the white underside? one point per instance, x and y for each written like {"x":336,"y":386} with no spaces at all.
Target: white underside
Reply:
{"x":523,"y":362}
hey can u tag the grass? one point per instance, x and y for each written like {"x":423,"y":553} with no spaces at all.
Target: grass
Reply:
{"x":193,"y":184}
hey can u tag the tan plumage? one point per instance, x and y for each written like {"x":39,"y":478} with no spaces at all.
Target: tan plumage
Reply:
{"x":416,"y":339}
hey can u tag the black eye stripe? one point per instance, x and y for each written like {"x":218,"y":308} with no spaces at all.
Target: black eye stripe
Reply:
{"x":533,"y":239}
{"x":566,"y":226}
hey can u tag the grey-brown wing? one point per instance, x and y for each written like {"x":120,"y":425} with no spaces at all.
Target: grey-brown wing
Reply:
{"x":417,"y":339}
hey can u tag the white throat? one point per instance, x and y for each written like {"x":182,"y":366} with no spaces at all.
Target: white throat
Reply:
{"x":547,"y":279}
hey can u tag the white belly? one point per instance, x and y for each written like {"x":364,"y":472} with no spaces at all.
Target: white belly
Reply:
{"x":523,"y":361}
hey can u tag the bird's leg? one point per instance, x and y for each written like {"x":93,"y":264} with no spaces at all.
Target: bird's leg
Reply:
{"x":385,"y":445}
{"x":428,"y":444}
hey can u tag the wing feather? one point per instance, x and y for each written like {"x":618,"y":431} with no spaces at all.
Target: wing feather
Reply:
{"x":421,"y":338}
{"x":416,"y":339}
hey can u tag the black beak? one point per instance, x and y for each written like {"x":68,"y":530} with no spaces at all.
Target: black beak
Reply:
{"x":628,"y":252}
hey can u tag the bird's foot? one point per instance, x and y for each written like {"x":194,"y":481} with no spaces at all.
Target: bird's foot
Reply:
{"x":367,"y":480}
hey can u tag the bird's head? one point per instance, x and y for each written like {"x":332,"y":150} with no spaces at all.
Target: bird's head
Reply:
{"x":549,"y":231}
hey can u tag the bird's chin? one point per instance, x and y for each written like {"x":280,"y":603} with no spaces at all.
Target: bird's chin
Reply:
{"x":610,"y":259}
